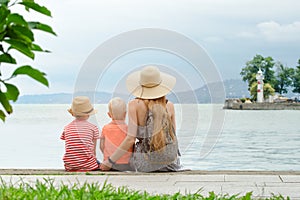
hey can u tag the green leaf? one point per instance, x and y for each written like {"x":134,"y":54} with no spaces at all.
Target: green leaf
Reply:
{"x":16,"y":19}
{"x":41,"y":26}
{"x":2,"y":35}
{"x":20,"y":33}
{"x":247,"y":196}
{"x":33,"y":73}
{"x":12,"y":92}
{"x":35,"y":47}
{"x":2,"y":115}
{"x":21,"y":47}
{"x":7,"y":58}
{"x":4,"y":2}
{"x":5,"y":103}
{"x":26,"y":8}
{"x":34,"y":6}
{"x":4,"y":12}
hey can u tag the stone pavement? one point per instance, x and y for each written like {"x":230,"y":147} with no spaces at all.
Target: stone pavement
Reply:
{"x":261,"y":183}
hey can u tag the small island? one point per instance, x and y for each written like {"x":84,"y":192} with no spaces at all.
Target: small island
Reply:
{"x":263,"y":95}
{"x":237,"y":104}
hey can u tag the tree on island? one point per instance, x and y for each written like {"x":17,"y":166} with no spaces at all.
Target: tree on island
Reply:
{"x":268,"y":90}
{"x":249,"y":72}
{"x":284,"y":78}
{"x":296,"y":79}
{"x":17,"y":34}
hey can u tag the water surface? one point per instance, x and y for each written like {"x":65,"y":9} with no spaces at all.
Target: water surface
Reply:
{"x":249,"y":140}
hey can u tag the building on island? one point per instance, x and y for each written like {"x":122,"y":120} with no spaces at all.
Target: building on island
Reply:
{"x":260,"y":86}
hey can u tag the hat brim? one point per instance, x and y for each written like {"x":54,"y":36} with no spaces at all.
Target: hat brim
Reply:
{"x":81,"y":114}
{"x":134,"y":87}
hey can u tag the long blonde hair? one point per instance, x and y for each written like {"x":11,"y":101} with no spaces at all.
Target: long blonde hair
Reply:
{"x":161,"y":122}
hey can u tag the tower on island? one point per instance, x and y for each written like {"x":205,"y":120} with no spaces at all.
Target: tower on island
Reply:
{"x":260,"y":86}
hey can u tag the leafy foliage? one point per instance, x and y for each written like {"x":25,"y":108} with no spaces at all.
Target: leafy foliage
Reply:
{"x":296,"y":79}
{"x":17,"y":34}
{"x":266,"y":64}
{"x":284,"y":76}
{"x":268,"y":90}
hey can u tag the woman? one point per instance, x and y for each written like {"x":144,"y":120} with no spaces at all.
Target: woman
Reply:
{"x":151,"y":123}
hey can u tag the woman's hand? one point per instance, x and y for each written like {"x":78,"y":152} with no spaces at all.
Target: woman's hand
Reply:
{"x":105,"y":166}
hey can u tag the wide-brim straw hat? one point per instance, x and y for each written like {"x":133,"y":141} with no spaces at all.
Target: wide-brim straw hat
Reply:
{"x":81,"y":106}
{"x":150,"y":83}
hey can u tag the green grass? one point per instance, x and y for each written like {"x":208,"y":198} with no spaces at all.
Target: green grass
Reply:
{"x":48,"y":190}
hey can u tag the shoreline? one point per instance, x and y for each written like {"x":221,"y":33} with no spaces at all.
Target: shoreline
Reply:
{"x":233,"y":104}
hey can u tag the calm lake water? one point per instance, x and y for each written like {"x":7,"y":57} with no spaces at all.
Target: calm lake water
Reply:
{"x":210,"y":138}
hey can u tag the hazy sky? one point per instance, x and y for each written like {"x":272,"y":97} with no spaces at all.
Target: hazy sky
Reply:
{"x":231,"y":32}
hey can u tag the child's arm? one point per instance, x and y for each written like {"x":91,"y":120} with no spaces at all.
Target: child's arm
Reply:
{"x":102,"y":144}
{"x":62,"y":137}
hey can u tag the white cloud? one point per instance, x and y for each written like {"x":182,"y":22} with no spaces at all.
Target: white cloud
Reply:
{"x":273,"y":31}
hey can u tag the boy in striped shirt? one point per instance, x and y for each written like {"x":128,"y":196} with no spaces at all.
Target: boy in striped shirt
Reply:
{"x":80,"y":138}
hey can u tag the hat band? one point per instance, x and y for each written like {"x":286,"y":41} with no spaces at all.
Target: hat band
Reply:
{"x":150,"y":85}
{"x":88,"y":111}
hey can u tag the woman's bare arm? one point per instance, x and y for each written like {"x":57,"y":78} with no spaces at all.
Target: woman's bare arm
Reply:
{"x":171,"y":111}
{"x":102,"y":141}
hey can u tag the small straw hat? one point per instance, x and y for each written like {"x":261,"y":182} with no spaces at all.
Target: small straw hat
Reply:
{"x":81,"y":106}
{"x":150,"y":83}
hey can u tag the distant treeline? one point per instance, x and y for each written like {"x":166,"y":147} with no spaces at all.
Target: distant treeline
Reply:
{"x":233,"y":88}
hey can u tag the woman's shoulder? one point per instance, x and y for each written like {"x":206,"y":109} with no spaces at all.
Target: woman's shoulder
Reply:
{"x":133,"y":101}
{"x":170,"y":108}
{"x":170,"y":104}
{"x":138,"y":103}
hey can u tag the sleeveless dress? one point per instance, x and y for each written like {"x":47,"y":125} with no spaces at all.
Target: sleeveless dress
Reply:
{"x":146,"y":160}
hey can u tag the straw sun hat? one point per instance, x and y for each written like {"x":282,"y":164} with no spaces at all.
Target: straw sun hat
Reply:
{"x":81,"y":106}
{"x":150,"y":83}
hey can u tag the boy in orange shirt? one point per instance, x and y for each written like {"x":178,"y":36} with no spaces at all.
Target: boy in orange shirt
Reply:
{"x":114,"y":133}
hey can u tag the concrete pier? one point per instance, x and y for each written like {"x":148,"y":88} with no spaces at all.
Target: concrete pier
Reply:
{"x":261,"y":183}
{"x":237,"y":105}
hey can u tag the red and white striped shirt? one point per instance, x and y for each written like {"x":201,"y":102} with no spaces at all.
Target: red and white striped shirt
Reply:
{"x":79,"y":137}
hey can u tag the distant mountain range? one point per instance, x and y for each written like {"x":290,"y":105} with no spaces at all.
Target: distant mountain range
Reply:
{"x":234,"y":88}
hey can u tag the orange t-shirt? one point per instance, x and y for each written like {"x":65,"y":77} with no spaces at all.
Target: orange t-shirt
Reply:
{"x":113,"y":134}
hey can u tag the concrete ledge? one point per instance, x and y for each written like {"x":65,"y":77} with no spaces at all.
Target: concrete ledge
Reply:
{"x":231,"y":104}
{"x":187,"y":172}
{"x":261,"y":183}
